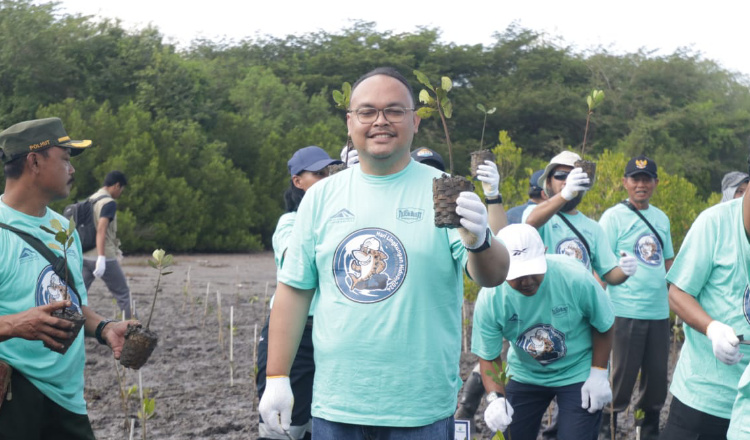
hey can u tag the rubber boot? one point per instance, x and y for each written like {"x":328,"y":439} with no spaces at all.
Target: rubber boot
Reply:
{"x":471,"y":397}
{"x":605,"y":432}
{"x":650,"y":426}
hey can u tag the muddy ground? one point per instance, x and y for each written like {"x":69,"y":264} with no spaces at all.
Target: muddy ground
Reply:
{"x":188,"y":375}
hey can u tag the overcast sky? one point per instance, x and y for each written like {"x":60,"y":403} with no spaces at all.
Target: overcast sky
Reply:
{"x":716,"y":29}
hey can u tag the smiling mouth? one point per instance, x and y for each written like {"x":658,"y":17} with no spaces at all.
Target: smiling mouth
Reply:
{"x":381,"y":135}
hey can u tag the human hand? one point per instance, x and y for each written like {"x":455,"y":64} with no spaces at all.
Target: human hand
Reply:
{"x":577,"y":181}
{"x":490,"y":178}
{"x":38,"y":324}
{"x":350,"y":158}
{"x":628,"y":264}
{"x":473,"y":219}
{"x":276,"y":405}
{"x":596,"y":391}
{"x":498,"y":414}
{"x":726,"y":344}
{"x":114,"y":335}
{"x":101,"y":266}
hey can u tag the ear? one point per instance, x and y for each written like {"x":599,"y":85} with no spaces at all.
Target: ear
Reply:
{"x":417,"y":120}
{"x":297,"y":182}
{"x":32,"y":161}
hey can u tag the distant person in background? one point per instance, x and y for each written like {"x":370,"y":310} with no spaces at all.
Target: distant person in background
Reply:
{"x":307,"y":166}
{"x":103,"y":261}
{"x":428,"y":157}
{"x":733,"y":185}
{"x":536,"y":196}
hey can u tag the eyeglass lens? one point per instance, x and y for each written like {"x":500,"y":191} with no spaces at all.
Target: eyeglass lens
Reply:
{"x":560,"y":175}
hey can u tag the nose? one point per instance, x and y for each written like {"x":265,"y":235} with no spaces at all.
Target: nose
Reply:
{"x":381,"y":120}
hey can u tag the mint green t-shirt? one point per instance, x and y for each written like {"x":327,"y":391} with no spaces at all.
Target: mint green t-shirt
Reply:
{"x":27,"y":280}
{"x":560,"y":239}
{"x":712,"y":267}
{"x":643,"y":295}
{"x":387,"y":332}
{"x":739,"y":428}
{"x":280,"y":242}
{"x":550,"y":332}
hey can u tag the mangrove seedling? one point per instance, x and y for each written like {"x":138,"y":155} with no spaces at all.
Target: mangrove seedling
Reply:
{"x":500,"y":376}
{"x":593,"y":101}
{"x":481,"y":155}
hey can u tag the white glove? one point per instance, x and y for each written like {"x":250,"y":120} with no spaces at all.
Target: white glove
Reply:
{"x":577,"y":181}
{"x":473,"y":219}
{"x":628,"y":264}
{"x":490,"y":178}
{"x":596,"y":392}
{"x":725,"y":342}
{"x":351,"y":158}
{"x":101,"y":266}
{"x":498,"y":415}
{"x":276,"y":405}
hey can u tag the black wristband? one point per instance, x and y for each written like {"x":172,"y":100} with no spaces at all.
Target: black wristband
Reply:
{"x":99,"y":329}
{"x":485,"y":245}
{"x":496,"y":201}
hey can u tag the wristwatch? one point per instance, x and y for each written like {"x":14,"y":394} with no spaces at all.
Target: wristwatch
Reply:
{"x":492,"y":396}
{"x":485,"y":245}
{"x":99,"y":328}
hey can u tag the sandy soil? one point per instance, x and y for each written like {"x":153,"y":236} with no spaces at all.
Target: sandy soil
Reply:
{"x":188,"y":375}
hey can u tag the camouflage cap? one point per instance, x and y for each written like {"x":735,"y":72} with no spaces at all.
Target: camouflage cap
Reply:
{"x":36,"y":135}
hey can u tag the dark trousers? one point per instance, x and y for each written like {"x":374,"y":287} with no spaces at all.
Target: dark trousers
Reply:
{"x":30,"y":415}
{"x":300,"y":378}
{"x":686,"y":423}
{"x":530,"y":401}
{"x":640,"y":344}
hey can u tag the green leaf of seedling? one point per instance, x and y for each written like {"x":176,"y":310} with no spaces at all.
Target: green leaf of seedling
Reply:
{"x":441,"y":94}
{"x":426,"y":112}
{"x":71,"y":226}
{"x":167,"y":261}
{"x":491,"y":111}
{"x":446,"y":83}
{"x":498,"y":436}
{"x":338,"y":98}
{"x":54,"y":246}
{"x":422,"y":78}
{"x":425,"y":98}
{"x":447,"y":108}
{"x":70,"y":241}
{"x":56,"y":225}
{"x":152,"y":264}
{"x":61,"y":237}
{"x":167,"y":273}
{"x":481,"y":108}
{"x":590,"y":102}
{"x":47,"y":230}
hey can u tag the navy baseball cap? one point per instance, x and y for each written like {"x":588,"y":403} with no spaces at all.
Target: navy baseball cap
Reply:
{"x":534,"y":180}
{"x":428,"y":157}
{"x":641,"y":165}
{"x":309,"y":159}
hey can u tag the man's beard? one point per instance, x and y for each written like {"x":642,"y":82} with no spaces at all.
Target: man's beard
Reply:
{"x":570,"y":204}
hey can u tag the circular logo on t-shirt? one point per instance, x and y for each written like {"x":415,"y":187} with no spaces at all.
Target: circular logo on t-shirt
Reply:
{"x":648,"y":250}
{"x":573,"y":247}
{"x":369,"y":265}
{"x":544,"y":343}
{"x":50,"y":288}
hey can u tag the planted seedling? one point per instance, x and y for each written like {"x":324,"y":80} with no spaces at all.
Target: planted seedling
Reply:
{"x":59,"y":288}
{"x":140,"y":341}
{"x":478,"y":157}
{"x":342,"y":98}
{"x":501,"y":377}
{"x":593,"y":101}
{"x":445,"y":190}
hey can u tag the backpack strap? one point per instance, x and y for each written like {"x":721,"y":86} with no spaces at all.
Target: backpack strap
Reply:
{"x":575,"y":231}
{"x":634,"y":209}
{"x":57,"y":262}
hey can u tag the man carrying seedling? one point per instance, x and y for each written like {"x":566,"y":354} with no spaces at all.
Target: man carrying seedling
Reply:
{"x":45,"y":397}
{"x":709,"y":291}
{"x":641,"y":332}
{"x":102,"y":261}
{"x":387,"y":330}
{"x":567,"y":231}
{"x":558,"y":320}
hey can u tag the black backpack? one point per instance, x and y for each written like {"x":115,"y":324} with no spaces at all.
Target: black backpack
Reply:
{"x":83,"y":214}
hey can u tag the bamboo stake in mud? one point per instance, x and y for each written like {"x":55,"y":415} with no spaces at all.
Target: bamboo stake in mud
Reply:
{"x":205,"y":306}
{"x":132,"y":427}
{"x":231,"y":346}
{"x":221,"y":330}
{"x":186,"y":291}
{"x":143,"y":403}
{"x":254,"y":363}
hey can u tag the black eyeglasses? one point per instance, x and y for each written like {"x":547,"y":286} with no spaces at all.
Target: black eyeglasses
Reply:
{"x":368,"y":115}
{"x":560,"y":175}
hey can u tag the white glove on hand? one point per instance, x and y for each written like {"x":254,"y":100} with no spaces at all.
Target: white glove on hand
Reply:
{"x":473,"y":219}
{"x":577,"y":181}
{"x":276,"y":405}
{"x":101,"y":266}
{"x":351,"y":158}
{"x":498,"y":415}
{"x":628,"y":264}
{"x":725,"y":342}
{"x":596,"y":392}
{"x":490,"y":178}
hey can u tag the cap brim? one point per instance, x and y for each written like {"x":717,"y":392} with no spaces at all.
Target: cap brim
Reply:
{"x":76,"y":147}
{"x":535,"y":266}
{"x":648,"y":173}
{"x":319,"y":165}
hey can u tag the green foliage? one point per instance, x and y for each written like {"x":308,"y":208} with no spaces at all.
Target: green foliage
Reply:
{"x":65,"y":238}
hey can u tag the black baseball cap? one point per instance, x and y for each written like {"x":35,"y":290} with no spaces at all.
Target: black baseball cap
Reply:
{"x":428,"y":157}
{"x":641,"y":165}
